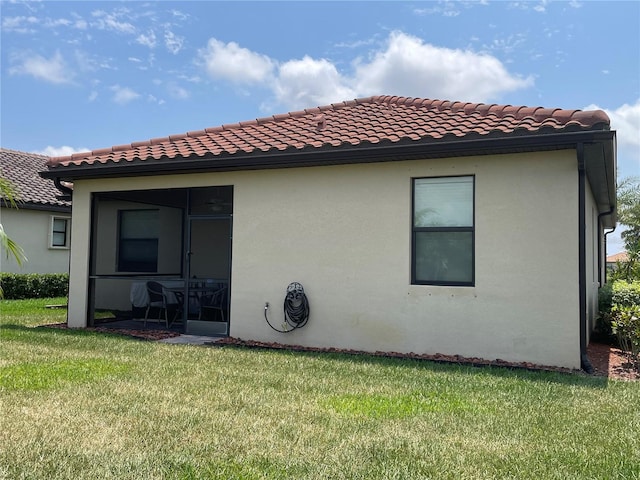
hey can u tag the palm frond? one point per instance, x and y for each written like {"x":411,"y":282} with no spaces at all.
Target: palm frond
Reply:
{"x":8,"y":193}
{"x":11,"y":247}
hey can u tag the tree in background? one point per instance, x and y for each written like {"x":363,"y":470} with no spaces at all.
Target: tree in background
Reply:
{"x":629,"y":216}
{"x":8,"y":246}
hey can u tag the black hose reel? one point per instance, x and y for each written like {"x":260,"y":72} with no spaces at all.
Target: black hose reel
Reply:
{"x":296,"y":309}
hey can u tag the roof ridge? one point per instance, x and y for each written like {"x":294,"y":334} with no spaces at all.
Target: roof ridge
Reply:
{"x":590,"y":117}
{"x":220,"y":128}
{"x":562,"y":117}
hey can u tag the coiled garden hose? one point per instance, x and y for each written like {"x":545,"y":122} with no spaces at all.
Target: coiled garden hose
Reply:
{"x":296,"y":309}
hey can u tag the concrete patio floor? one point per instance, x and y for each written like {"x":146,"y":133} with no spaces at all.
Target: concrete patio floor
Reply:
{"x":137,"y":326}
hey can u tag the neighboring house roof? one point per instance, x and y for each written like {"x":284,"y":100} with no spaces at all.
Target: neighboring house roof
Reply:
{"x":379,"y":128}
{"x":618,"y":257}
{"x":32,"y":191}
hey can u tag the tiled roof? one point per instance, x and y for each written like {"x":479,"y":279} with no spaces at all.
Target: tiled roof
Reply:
{"x":21,"y":169}
{"x":366,"y":121}
{"x":618,"y":257}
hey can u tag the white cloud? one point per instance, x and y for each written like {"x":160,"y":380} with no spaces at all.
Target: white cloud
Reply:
{"x":625,"y":120}
{"x":506,"y":45}
{"x":410,"y":67}
{"x":81,"y":24}
{"x":123,"y":95}
{"x":63,"y":151}
{"x":309,"y":82}
{"x":173,"y":42}
{"x":191,"y":78}
{"x":57,"y":22}
{"x":92,"y":96}
{"x":540,"y":7}
{"x":110,"y":21}
{"x":178,"y":92}
{"x":179,"y":15}
{"x":404,"y":65}
{"x":229,"y":61}
{"x":355,"y":43}
{"x":153,"y":99}
{"x":53,"y":70}
{"x":148,"y":40}
{"x":446,"y":9}
{"x":88,"y":62}
{"x":20,"y":24}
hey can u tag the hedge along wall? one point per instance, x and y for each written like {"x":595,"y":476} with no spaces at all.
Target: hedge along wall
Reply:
{"x":17,"y":286}
{"x":626,"y":294}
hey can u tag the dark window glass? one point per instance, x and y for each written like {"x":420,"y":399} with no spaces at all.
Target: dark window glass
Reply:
{"x":138,"y":243}
{"x":59,"y":232}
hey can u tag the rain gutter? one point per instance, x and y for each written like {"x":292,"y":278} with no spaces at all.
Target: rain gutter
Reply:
{"x":327,"y":155}
{"x":585,"y":364}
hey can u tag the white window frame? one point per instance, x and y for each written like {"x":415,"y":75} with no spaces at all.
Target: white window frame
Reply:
{"x":466,"y":228}
{"x":67,"y":238}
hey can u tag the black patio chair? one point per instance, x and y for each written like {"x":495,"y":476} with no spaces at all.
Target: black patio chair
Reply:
{"x":214,"y":302}
{"x":158,"y":299}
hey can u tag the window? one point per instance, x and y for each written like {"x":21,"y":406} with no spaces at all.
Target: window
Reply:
{"x":443,"y":231}
{"x":59,"y":237}
{"x":138,"y":242}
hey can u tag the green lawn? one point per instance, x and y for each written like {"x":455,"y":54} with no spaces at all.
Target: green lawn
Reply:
{"x":83,"y":405}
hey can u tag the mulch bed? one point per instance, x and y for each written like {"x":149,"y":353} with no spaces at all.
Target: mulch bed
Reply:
{"x":606,"y":360}
{"x":147,"y":334}
{"x":609,"y":361}
{"x":439,"y":358}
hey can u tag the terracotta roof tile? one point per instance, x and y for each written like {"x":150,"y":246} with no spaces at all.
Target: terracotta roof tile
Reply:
{"x":618,"y":257}
{"x":21,"y":169}
{"x":372,"y":120}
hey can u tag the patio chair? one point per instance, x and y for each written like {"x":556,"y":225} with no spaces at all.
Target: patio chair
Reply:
{"x":158,"y":299}
{"x":214,"y":302}
{"x":178,"y":307}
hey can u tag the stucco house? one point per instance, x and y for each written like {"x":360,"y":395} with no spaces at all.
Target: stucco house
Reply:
{"x":414,"y":225}
{"x":42,"y":223}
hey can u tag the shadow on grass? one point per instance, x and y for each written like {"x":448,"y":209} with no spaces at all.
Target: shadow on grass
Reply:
{"x":9,"y":331}
{"x":538,"y":375}
{"x":461,"y":367}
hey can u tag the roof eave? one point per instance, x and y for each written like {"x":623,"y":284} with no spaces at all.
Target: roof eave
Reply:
{"x":601,"y":169}
{"x":47,"y":207}
{"x":363,"y":153}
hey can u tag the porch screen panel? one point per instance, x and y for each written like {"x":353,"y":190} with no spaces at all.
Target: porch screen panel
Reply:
{"x":138,"y":243}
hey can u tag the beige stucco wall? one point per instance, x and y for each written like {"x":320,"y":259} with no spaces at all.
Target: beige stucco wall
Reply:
{"x":344,"y":232}
{"x":31,"y":229}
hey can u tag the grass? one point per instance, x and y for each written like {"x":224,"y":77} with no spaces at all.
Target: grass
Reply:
{"x":84,"y":405}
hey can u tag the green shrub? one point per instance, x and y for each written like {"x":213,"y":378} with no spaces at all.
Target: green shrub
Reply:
{"x":603,"y":331}
{"x":611,"y":297}
{"x":18,"y":286}
{"x":625,"y":323}
{"x":626,"y":294}
{"x":605,"y":298}
{"x":623,"y":317}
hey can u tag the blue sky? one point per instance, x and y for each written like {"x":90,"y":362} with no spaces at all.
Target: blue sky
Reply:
{"x":87,"y":75}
